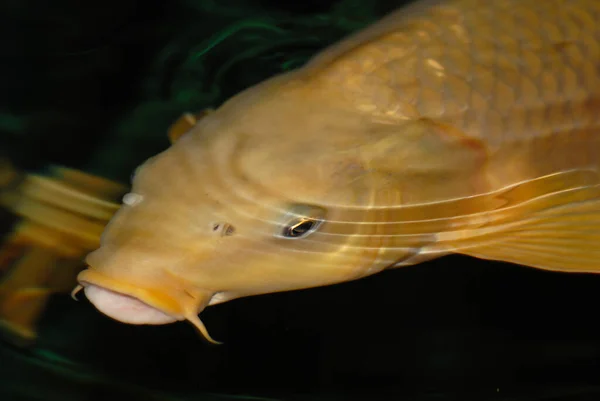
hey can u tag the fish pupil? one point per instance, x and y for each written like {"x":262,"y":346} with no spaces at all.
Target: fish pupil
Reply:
{"x":299,"y":228}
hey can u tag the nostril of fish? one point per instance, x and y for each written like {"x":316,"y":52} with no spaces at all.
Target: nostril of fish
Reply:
{"x":223,"y":229}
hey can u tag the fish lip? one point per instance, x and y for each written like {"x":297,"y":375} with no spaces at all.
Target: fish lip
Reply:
{"x":164,"y":303}
{"x":186,"y":307}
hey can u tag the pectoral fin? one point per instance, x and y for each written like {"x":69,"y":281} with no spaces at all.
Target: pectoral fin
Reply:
{"x":558,"y":236}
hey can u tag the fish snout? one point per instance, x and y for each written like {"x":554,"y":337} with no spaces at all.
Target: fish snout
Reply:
{"x":134,"y":304}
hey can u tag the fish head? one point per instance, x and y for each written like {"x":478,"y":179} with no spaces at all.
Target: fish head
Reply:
{"x":271,"y":192}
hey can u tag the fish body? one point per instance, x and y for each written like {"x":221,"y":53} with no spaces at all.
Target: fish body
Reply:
{"x":456,"y":126}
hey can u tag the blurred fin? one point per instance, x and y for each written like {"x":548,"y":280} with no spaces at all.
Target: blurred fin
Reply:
{"x":564,"y":238}
{"x":19,"y":313}
{"x":31,"y":270}
{"x":61,"y":216}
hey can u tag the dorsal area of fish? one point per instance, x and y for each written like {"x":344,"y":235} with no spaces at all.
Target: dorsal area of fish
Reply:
{"x":521,"y":78}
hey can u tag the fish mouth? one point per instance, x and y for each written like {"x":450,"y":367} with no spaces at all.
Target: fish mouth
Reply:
{"x":130,"y":304}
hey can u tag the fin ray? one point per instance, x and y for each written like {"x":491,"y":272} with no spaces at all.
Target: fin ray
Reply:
{"x":564,"y":238}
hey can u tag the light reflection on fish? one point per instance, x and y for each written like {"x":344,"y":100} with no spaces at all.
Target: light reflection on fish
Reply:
{"x":457,"y":126}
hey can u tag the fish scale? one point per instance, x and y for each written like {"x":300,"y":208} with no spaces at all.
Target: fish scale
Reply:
{"x":500,"y":75}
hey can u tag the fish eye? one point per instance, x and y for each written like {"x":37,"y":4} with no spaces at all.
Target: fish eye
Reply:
{"x":301,"y":221}
{"x":300,"y":227}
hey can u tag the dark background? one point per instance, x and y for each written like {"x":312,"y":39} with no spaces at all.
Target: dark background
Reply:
{"x":94,"y":86}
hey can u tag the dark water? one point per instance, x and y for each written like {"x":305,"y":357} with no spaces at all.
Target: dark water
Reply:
{"x":94,"y":85}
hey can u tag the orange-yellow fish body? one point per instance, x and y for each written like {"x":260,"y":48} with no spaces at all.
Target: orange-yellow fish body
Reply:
{"x":457,"y":126}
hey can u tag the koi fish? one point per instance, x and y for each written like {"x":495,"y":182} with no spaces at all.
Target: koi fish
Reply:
{"x":452,"y":126}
